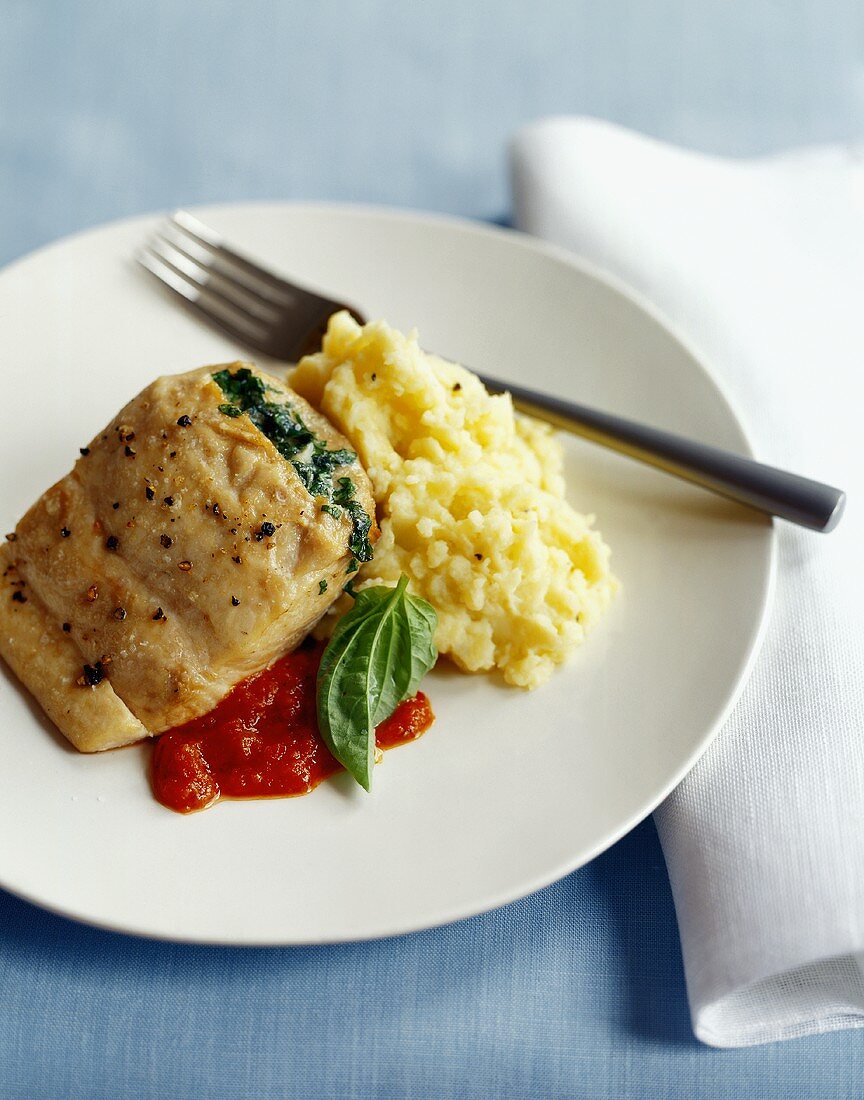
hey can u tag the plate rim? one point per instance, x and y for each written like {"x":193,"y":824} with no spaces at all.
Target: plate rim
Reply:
{"x":613,"y":282}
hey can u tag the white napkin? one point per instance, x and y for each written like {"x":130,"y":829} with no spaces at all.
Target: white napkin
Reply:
{"x":761,"y":264}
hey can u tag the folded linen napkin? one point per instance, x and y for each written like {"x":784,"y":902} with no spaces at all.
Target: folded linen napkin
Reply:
{"x":761,"y":264}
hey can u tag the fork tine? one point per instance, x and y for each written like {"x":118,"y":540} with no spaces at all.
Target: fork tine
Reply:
{"x":236,"y":293}
{"x":210,"y":247}
{"x":221,"y":265}
{"x":187,"y":270}
{"x":214,"y":308}
{"x":205,"y":244}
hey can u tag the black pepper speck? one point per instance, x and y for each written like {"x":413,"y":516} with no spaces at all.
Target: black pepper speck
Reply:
{"x":65,"y":532}
{"x":127,"y":450}
{"x":235,"y":601}
{"x":112,"y":542}
{"x":149,"y":493}
{"x":93,"y":675}
{"x":184,"y":421}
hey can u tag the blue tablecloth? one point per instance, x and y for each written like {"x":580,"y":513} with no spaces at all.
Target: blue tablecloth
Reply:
{"x":129,"y":106}
{"x":574,"y":992}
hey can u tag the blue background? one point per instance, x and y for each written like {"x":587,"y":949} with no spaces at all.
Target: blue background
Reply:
{"x":121,"y":107}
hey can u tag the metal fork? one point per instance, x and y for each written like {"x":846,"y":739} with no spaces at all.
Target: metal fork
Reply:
{"x":259,"y":309}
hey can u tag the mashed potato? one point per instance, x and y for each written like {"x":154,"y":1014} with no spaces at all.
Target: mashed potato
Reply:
{"x":470,"y":502}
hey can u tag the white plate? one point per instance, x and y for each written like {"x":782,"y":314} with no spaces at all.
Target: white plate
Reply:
{"x":508,"y":791}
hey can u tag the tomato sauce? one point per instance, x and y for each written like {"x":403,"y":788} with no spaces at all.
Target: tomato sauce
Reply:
{"x":262,"y":740}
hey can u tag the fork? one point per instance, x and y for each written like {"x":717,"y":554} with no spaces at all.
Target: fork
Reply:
{"x":261,"y":310}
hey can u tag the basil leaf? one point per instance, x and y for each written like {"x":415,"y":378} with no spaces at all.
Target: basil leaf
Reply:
{"x":378,"y":654}
{"x":422,"y":622}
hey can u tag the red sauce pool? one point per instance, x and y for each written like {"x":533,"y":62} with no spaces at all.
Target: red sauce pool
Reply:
{"x":262,"y":740}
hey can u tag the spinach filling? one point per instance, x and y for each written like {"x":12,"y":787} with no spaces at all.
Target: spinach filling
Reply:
{"x":246,"y":393}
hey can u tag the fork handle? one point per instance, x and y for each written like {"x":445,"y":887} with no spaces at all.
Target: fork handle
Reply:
{"x":777,"y":492}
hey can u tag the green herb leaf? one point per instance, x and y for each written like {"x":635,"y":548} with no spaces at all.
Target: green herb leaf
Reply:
{"x":345,"y":491}
{"x":241,"y":385}
{"x":422,"y":622}
{"x":285,"y":429}
{"x":380,"y":651}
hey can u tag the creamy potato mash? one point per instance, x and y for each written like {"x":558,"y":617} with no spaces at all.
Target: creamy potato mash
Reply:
{"x":470,"y":502}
